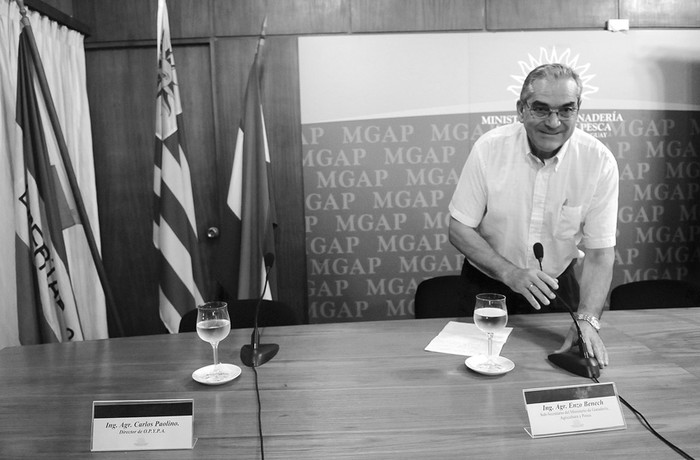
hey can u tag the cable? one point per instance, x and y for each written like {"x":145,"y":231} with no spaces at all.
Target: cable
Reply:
{"x":539,"y":253}
{"x":648,"y":426}
{"x":260,"y":433}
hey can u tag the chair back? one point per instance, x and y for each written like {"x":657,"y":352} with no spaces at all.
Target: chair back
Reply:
{"x":242,"y":313}
{"x":442,"y":297}
{"x":654,"y":294}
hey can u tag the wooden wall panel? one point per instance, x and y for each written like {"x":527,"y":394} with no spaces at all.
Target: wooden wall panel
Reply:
{"x":243,"y":17}
{"x":121,"y":90}
{"x":548,"y":14}
{"x":283,"y":116}
{"x":416,"y":15}
{"x":280,"y":90}
{"x":123,"y":138}
{"x":129,"y":20}
{"x":65,"y":6}
{"x":196,"y":91}
{"x":655,"y":13}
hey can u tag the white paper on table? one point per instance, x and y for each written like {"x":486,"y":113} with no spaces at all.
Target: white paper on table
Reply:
{"x":467,"y":340}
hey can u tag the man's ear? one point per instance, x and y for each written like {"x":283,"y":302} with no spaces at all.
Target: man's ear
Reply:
{"x":520,"y":108}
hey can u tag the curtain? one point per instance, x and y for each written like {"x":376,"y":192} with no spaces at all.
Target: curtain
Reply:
{"x":63,"y":57}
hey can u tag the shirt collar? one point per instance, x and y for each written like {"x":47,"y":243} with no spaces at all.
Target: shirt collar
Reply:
{"x":556,"y":159}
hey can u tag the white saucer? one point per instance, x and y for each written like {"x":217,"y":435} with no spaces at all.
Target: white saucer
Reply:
{"x":474,"y":363}
{"x":227,"y":372}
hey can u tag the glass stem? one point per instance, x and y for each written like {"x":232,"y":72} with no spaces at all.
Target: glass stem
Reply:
{"x":490,"y":335}
{"x":215,"y":347}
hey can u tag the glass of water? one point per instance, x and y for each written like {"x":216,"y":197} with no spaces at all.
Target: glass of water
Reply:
{"x":490,"y":316}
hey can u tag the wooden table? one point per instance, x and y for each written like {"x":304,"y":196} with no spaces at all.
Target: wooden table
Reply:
{"x":358,"y":390}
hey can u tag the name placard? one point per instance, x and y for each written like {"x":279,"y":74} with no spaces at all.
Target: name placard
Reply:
{"x":142,"y":424}
{"x":573,"y":409}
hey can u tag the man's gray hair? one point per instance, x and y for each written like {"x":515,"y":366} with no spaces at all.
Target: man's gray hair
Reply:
{"x":552,"y":71}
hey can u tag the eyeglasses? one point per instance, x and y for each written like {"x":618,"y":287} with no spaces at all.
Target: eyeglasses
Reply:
{"x":544,"y":111}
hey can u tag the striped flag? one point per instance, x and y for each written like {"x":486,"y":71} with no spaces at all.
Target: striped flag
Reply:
{"x":175,"y":224}
{"x":49,"y":231}
{"x":249,"y":217}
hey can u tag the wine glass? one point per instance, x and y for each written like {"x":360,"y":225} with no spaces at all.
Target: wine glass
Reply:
{"x":213,"y":326}
{"x":490,"y":315}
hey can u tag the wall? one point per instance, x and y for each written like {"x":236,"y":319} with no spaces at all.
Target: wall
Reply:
{"x":214,"y":42}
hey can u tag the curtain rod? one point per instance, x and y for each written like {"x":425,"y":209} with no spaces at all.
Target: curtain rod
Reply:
{"x":58,"y":16}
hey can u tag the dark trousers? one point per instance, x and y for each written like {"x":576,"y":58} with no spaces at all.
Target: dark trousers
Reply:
{"x":477,"y":283}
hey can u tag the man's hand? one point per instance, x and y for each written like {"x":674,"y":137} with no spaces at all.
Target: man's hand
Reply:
{"x":595,"y":282}
{"x":535,"y":285}
{"x":591,"y":339}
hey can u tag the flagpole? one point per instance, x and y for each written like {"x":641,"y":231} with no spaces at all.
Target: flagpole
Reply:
{"x":63,"y":149}
{"x":261,"y":38}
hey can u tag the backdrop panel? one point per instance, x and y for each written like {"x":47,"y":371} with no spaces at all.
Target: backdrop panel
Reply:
{"x":389,"y":120}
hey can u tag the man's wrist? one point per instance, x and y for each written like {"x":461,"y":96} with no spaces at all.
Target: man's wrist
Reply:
{"x":594,"y":321}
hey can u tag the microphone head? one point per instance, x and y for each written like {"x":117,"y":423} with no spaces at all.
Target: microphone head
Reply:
{"x":269,"y":259}
{"x":538,"y":250}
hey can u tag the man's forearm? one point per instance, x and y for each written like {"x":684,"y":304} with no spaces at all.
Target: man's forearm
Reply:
{"x":595,"y":280}
{"x":477,"y":249}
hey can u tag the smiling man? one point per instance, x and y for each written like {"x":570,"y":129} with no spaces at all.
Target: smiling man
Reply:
{"x":541,"y":180}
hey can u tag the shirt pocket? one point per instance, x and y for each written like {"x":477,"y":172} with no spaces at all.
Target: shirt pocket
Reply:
{"x":569,"y":222}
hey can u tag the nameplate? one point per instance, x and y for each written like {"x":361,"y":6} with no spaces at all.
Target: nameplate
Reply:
{"x":575,"y":409}
{"x":155,"y":424}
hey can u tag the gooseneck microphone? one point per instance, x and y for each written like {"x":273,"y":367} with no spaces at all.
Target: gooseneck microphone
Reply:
{"x":257,"y":354}
{"x":539,"y":252}
{"x":579,"y":363}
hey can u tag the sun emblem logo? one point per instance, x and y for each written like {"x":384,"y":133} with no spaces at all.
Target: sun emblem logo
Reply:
{"x":553,"y":56}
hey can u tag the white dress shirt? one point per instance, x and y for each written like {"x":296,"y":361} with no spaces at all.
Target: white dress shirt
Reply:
{"x":514,"y":200}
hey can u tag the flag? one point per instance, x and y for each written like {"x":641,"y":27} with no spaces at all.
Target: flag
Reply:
{"x":175,"y":223}
{"x":248,"y":219}
{"x":49,"y":230}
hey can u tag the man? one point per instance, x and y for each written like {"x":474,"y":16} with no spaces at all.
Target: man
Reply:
{"x":541,"y":181}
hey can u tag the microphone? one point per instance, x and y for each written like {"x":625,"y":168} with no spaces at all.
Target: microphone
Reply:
{"x":539,"y":252}
{"x":257,"y":354}
{"x":579,"y":363}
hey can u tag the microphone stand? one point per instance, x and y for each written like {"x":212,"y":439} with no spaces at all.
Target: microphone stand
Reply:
{"x":256,"y":354}
{"x":579,"y":363}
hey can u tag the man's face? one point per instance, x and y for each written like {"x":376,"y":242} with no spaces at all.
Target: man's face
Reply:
{"x":548,"y":134}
